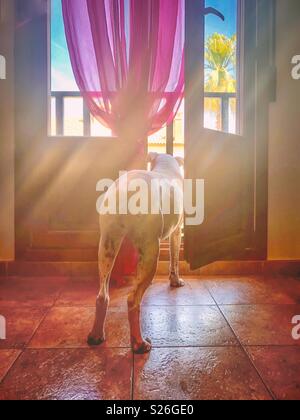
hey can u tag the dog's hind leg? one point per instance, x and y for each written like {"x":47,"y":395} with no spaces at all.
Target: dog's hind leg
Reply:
{"x":147,"y":266}
{"x":108,"y":251}
{"x":175,"y":244}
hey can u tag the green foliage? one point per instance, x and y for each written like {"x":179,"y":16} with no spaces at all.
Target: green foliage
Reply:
{"x":220,"y":61}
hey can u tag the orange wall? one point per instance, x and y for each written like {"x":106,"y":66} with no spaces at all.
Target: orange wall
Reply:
{"x":284,"y":150}
{"x":7,"y":135}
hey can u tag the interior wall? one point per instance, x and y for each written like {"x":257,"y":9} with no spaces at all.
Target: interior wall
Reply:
{"x":7,"y":132}
{"x":284,"y":150}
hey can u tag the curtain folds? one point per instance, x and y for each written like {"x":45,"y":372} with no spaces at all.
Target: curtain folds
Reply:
{"x":128,"y":61}
{"x":127,"y":58}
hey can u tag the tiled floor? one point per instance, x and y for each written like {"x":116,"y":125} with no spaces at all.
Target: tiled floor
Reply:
{"x":217,"y":338}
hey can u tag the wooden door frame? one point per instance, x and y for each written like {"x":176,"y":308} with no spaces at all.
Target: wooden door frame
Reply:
{"x":260,"y":35}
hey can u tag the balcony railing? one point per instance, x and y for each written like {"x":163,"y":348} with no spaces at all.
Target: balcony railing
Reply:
{"x":59,"y":98}
{"x":224,"y":106}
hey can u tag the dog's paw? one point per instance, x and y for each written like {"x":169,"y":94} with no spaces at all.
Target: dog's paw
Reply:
{"x":176,"y":282}
{"x":94,"y":341}
{"x":142,"y":348}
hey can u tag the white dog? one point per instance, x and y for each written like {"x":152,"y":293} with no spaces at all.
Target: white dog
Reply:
{"x":145,"y":231}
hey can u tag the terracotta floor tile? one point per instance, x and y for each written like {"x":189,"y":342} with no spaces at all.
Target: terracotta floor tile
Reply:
{"x":21,"y":324}
{"x":186,"y":326}
{"x":194,"y":293}
{"x":85,"y":294}
{"x":252,"y":290}
{"x":7,"y":358}
{"x":197,"y":374}
{"x":78,"y":294}
{"x":204,"y":363}
{"x":280,"y":368}
{"x":69,"y":375}
{"x":35,"y":292}
{"x":257,"y":325}
{"x":68,"y":327}
{"x":288,"y":286}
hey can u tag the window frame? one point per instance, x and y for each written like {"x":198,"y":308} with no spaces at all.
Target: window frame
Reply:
{"x":169,"y":128}
{"x":86,"y":113}
{"x":86,"y":136}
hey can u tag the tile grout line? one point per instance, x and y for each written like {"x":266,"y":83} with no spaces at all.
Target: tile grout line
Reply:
{"x":154,"y":347}
{"x":270,"y":392}
{"x":268,"y":389}
{"x":12,"y":365}
{"x":25,"y":346}
{"x":260,"y":375}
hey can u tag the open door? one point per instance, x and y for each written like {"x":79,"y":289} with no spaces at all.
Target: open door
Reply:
{"x":220,"y":132}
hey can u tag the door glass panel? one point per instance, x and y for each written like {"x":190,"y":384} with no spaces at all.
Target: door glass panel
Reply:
{"x":221,"y":103}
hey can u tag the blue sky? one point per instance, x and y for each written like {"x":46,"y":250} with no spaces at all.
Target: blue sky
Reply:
{"x":62,"y":75}
{"x":215,"y":24}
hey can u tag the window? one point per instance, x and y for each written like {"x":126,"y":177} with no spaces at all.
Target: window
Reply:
{"x":222,"y":66}
{"x":68,"y":114}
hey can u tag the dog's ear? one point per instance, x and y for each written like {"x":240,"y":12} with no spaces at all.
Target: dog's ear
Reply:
{"x":152,"y":157}
{"x":180,"y":161}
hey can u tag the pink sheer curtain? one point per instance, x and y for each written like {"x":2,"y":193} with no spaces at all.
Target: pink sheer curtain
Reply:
{"x":127,"y":58}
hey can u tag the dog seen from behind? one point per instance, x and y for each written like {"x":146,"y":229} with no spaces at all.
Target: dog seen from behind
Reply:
{"x":146,"y":231}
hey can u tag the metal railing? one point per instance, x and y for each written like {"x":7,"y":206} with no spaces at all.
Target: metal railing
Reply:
{"x":60,"y":97}
{"x":225,"y":106}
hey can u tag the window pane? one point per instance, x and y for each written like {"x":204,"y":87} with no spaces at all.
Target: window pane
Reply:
{"x":98,"y":130}
{"x":73,"y":117}
{"x":221,"y":66}
{"x":63,"y":81}
{"x":212,"y":115}
{"x":62,"y":78}
{"x":233,"y":116}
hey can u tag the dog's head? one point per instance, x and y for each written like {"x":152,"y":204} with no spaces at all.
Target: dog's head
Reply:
{"x":166,"y":162}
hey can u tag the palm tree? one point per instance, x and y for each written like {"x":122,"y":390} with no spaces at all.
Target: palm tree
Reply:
{"x":220,"y":65}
